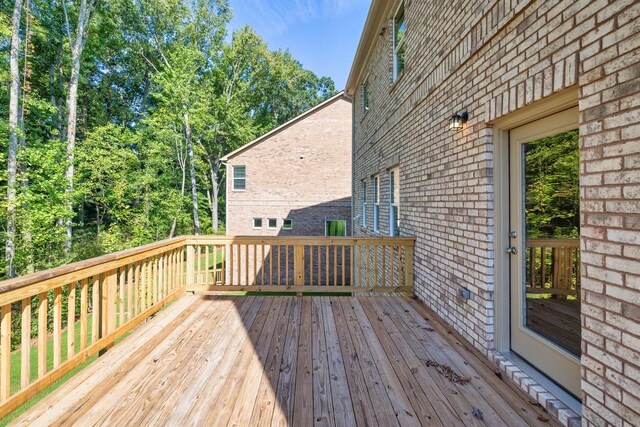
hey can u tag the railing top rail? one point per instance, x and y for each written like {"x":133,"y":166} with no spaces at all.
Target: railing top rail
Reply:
{"x":551,"y":242}
{"x":109,"y":259}
{"x":302,"y":240}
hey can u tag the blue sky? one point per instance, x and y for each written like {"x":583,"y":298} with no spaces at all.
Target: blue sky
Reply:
{"x":322,"y":34}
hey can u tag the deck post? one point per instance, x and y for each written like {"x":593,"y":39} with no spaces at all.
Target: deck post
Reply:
{"x":298,"y":266}
{"x":108,"y":295}
{"x":190,"y":279}
{"x":408,"y":265}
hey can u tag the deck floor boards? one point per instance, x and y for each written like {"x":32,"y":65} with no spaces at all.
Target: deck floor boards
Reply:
{"x":277,"y":360}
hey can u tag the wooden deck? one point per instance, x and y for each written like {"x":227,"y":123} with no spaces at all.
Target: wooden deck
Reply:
{"x":298,"y":361}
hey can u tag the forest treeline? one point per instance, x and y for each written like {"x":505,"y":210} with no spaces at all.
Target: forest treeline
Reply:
{"x":116,"y":114}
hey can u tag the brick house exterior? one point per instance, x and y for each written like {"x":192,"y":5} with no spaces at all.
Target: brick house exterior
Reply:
{"x":300,"y":171}
{"x":507,"y":63}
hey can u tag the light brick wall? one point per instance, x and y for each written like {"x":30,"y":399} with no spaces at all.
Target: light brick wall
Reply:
{"x":493,"y":58}
{"x":302,"y":173}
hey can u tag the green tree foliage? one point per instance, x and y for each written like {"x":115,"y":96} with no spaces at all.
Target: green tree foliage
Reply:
{"x":552,"y":167}
{"x":145,"y":66}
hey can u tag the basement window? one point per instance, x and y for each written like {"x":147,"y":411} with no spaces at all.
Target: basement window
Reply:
{"x":287,"y":224}
{"x":273,"y":223}
{"x":257,"y":222}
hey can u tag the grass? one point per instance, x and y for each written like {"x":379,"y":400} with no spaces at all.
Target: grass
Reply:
{"x":16,"y":357}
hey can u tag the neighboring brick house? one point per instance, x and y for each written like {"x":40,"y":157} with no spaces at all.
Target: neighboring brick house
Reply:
{"x":456,"y":107}
{"x":294,"y":179}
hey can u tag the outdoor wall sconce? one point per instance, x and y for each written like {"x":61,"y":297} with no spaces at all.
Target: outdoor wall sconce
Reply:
{"x":458,"y":120}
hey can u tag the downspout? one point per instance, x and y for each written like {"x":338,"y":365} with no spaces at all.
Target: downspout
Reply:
{"x":353,"y":163}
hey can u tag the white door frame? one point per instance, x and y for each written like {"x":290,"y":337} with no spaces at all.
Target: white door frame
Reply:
{"x":502,"y":299}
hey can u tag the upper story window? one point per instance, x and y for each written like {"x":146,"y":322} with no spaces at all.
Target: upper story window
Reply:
{"x":394,"y":205}
{"x":398,"y":43}
{"x":239,"y":177}
{"x":376,"y":203}
{"x":363,"y":194}
{"x":364,"y":98}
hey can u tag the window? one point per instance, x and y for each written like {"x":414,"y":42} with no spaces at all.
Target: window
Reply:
{"x":364,"y":98}
{"x":239,"y":177}
{"x":376,"y":204}
{"x":287,"y":224}
{"x":335,"y":228}
{"x":363,"y":194}
{"x":394,"y":205}
{"x":257,"y":222}
{"x":398,"y":43}
{"x":273,"y":223}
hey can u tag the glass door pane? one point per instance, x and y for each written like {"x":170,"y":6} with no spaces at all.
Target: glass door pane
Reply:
{"x":551,"y":253}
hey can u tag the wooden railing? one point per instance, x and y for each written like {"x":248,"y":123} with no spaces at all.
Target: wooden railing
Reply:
{"x":57,"y":319}
{"x":77,"y":311}
{"x":300,"y":264}
{"x":553,"y":266}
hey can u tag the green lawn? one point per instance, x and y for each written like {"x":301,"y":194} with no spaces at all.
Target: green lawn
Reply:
{"x":16,"y":368}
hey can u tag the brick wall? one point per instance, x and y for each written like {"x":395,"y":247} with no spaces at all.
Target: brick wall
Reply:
{"x":494,"y":58}
{"x":302,"y":173}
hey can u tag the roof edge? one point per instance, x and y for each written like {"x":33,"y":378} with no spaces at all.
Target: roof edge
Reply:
{"x":283,"y":126}
{"x":376,"y":18}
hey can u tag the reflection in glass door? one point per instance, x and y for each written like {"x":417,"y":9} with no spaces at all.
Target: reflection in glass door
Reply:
{"x":545,"y":261}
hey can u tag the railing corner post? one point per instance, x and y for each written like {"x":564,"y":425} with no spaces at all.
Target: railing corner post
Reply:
{"x":408,"y":265}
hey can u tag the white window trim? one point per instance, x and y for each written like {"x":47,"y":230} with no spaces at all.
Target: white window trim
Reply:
{"x":275,"y":226}
{"x":335,"y":220}
{"x":255,"y":227}
{"x":376,"y":203}
{"x":283,"y":224}
{"x":393,"y":228}
{"x":400,"y":45}
{"x":363,"y":195}
{"x":233,"y":178}
{"x":365,"y":97}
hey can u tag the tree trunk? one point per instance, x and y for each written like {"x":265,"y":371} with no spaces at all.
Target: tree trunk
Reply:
{"x":182,"y":188}
{"x":192,"y":172}
{"x":27,"y":237}
{"x":214,"y":169}
{"x":12,"y":165}
{"x":72,"y":109}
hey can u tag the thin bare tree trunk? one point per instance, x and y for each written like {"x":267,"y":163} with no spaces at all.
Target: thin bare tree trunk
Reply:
{"x":72,"y":107}
{"x":12,"y":165}
{"x":192,"y":172}
{"x":183,"y":168}
{"x":27,"y":237}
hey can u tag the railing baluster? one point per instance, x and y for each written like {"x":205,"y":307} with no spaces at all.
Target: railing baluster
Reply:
{"x":120,"y":276}
{"x":344,"y":260}
{"x":351,"y":261}
{"x":42,"y":334}
{"x":246,"y":265}
{"x":57,"y":327}
{"x":25,"y":347}
{"x":95,"y":309}
{"x":326,"y":265}
{"x":206,"y":264}
{"x":5,"y":352}
{"x":71,"y":320}
{"x":130,"y":286}
{"x":84,"y":306}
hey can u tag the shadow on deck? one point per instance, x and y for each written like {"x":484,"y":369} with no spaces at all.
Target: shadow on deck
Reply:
{"x":299,"y":361}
